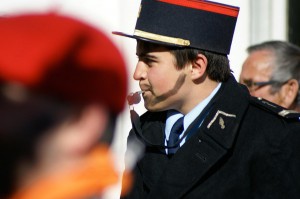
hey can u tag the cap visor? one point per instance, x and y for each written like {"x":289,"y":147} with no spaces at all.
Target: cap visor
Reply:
{"x":145,"y":39}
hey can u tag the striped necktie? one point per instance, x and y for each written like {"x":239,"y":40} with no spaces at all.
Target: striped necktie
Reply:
{"x":176,"y":130}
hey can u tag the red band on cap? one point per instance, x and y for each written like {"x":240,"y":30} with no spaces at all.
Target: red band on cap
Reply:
{"x":206,"y":5}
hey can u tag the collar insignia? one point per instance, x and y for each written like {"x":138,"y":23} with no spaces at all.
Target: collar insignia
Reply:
{"x":221,"y":120}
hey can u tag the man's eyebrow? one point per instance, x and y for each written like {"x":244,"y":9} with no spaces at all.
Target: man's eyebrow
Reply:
{"x":146,"y":55}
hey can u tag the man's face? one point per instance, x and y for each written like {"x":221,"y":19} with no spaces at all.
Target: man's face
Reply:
{"x":162,"y":83}
{"x":258,"y":68}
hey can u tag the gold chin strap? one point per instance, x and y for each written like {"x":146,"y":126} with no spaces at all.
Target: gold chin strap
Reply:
{"x":162,"y":38}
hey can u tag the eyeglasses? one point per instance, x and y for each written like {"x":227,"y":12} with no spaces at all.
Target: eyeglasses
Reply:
{"x":253,"y":86}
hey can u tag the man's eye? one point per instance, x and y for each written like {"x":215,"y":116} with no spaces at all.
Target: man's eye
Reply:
{"x":148,"y":60}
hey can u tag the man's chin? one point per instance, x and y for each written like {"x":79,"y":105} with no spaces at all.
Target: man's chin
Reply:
{"x":154,"y":104}
{"x":153,"y":108}
{"x":149,"y":107}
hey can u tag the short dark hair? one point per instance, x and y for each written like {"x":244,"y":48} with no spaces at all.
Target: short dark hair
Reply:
{"x":24,"y":122}
{"x":218,"y":68}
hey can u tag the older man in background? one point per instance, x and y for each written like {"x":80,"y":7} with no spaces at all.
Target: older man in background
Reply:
{"x":272,"y":71}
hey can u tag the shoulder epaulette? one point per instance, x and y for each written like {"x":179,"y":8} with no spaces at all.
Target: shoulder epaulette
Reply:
{"x":274,"y":108}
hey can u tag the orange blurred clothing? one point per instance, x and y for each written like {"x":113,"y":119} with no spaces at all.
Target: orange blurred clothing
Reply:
{"x":96,"y":174}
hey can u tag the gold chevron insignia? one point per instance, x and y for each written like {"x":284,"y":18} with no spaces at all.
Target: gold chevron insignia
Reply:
{"x":221,"y":120}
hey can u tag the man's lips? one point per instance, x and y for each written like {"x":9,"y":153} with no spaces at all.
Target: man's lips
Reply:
{"x":145,"y":88}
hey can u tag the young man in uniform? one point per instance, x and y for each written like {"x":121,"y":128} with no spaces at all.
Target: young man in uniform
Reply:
{"x":229,"y":144}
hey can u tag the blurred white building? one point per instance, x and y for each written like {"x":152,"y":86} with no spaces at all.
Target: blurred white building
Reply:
{"x":259,"y":20}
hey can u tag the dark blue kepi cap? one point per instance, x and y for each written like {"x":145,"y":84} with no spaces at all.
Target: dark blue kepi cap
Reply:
{"x":196,"y":24}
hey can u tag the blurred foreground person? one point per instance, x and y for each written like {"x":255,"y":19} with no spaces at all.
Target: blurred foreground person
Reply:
{"x":63,"y":83}
{"x":272,"y":71}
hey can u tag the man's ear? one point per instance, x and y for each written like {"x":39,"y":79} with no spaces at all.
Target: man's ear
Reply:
{"x":94,"y":119}
{"x":288,"y":93}
{"x":75,"y":137}
{"x":199,"y":66}
{"x":88,"y":128}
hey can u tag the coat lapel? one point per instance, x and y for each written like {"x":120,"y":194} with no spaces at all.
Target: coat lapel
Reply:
{"x":155,"y":158}
{"x":207,"y":146}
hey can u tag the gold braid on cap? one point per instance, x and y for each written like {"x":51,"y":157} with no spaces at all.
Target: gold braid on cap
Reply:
{"x":156,"y":37}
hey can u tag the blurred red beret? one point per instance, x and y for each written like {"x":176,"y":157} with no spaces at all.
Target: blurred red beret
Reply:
{"x":62,"y":57}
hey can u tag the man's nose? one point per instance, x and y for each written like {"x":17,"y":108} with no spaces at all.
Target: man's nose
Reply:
{"x":140,"y":71}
